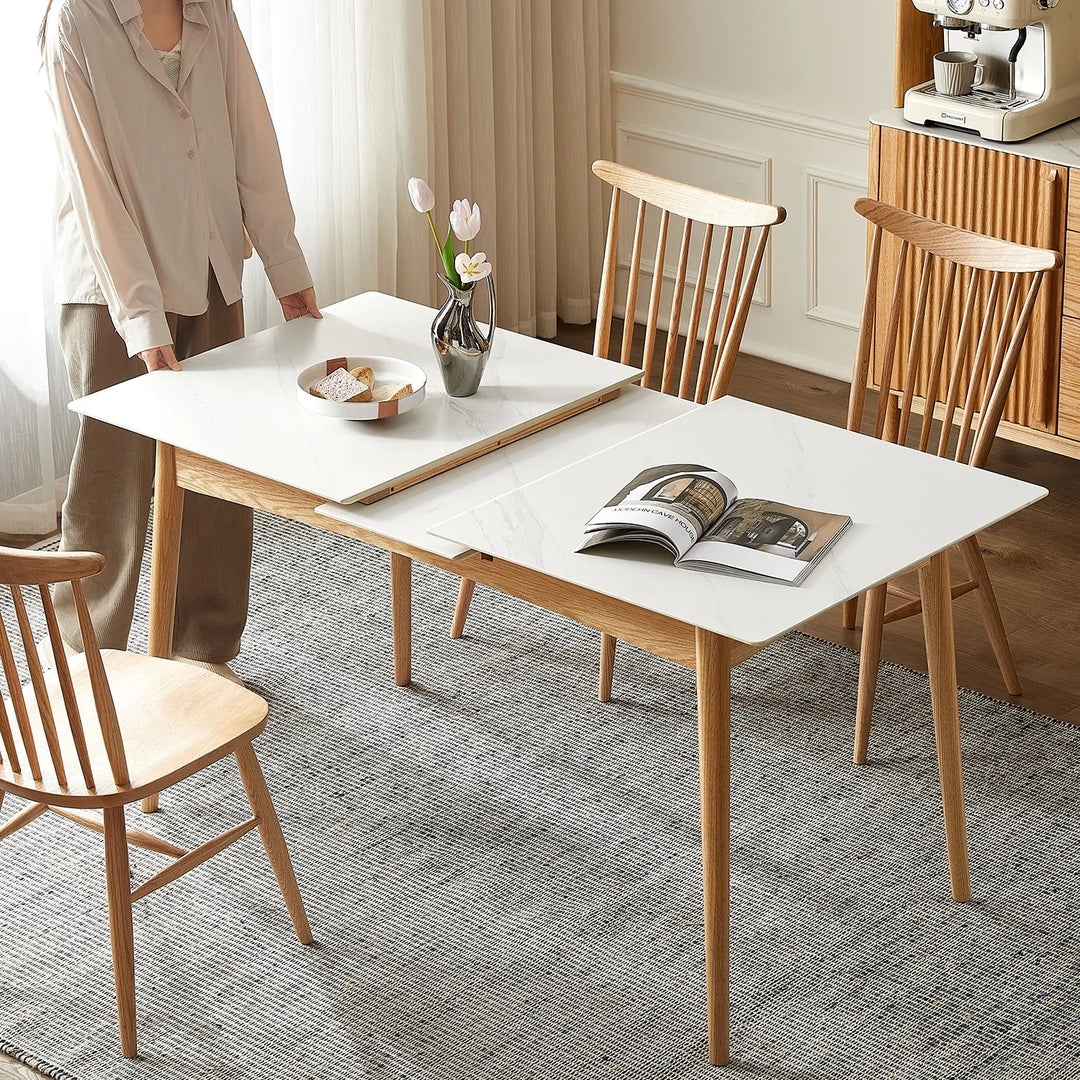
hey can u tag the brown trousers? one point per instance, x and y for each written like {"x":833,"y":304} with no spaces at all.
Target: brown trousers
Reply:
{"x":110,"y":489}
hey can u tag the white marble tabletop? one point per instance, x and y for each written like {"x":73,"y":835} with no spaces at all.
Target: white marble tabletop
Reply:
{"x":1059,"y":145}
{"x":407,"y":515}
{"x":237,"y":404}
{"x":905,"y":507}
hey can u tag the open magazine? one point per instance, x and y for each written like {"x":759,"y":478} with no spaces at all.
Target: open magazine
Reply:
{"x":696,"y":513}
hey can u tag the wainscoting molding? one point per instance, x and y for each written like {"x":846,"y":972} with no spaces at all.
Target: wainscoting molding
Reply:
{"x":781,"y":119}
{"x":815,"y":180}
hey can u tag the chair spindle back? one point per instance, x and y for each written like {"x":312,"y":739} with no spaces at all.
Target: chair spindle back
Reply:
{"x":24,"y":569}
{"x":739,"y":247}
{"x":958,"y":365}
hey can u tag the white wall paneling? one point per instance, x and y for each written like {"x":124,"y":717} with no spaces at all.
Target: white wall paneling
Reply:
{"x":834,"y":294}
{"x":807,"y":304}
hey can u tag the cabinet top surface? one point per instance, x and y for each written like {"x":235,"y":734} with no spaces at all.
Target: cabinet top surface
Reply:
{"x":1058,"y":146}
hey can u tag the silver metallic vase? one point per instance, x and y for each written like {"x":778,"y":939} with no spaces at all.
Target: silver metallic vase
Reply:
{"x":461,"y":349}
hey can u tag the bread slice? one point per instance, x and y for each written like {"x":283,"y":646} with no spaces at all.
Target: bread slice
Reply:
{"x":365,"y":375}
{"x":341,"y":387}
{"x":391,"y":391}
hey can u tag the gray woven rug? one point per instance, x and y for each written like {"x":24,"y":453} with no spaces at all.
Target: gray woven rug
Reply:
{"x":503,"y":875}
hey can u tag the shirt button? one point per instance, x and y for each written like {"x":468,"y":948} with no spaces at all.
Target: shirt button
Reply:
{"x":184,"y":114}
{"x":213,"y":235}
{"x":191,"y":155}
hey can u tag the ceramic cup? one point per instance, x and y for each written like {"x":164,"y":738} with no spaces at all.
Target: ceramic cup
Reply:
{"x":955,"y":73}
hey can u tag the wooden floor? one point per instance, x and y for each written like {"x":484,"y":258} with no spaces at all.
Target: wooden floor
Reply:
{"x":1033,"y":558}
{"x":12,"y":1070}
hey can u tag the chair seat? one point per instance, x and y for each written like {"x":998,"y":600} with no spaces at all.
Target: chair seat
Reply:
{"x":175,"y":719}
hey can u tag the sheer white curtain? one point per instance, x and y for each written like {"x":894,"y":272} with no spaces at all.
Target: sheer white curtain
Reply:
{"x":37,"y":433}
{"x":503,"y":101}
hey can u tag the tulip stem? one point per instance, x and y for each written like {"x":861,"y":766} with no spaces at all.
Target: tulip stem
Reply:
{"x":431,"y":222}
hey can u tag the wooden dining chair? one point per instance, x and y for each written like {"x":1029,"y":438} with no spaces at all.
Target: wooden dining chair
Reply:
{"x":733,"y":235}
{"x":947,"y":354}
{"x":103,"y":729}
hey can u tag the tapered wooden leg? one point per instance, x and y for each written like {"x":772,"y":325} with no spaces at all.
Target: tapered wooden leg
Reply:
{"x":461,"y":611}
{"x":607,"y":665}
{"x":869,"y":658}
{"x":273,"y":841}
{"x":401,"y":608}
{"x":118,"y":882}
{"x":991,"y":614}
{"x":851,"y":612}
{"x":164,"y":563}
{"x":941,"y":661}
{"x":714,"y":749}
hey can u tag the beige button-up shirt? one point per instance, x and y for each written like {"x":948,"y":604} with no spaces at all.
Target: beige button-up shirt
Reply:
{"x":159,"y":183}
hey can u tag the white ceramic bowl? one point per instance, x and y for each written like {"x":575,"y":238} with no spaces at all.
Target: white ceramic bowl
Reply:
{"x":388,"y":369}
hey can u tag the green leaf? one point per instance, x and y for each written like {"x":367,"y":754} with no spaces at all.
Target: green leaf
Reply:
{"x":448,"y":261}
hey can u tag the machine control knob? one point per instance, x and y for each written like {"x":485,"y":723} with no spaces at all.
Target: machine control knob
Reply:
{"x":961,"y":7}
{"x":1047,"y":4}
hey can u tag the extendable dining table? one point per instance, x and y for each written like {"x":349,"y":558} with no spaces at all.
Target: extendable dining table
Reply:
{"x":497,"y":488}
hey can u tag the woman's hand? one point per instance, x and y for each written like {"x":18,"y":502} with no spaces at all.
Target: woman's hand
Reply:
{"x":162,"y":359}
{"x":298,"y":304}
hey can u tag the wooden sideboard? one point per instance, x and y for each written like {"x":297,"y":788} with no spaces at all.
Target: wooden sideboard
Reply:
{"x":1026,"y":192}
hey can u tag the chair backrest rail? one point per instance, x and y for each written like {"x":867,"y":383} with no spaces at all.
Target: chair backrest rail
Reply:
{"x":962,"y":378}
{"x":632,"y":284}
{"x":37,"y":680}
{"x":698,"y":302}
{"x":700,"y":367}
{"x":18,"y":702}
{"x":99,"y":683}
{"x":19,"y":570}
{"x":714,"y":316}
{"x":675,"y":317}
{"x":654,"y":296}
{"x":67,"y":689}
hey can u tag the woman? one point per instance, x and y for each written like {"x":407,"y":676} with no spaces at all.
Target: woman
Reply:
{"x":167,"y":155}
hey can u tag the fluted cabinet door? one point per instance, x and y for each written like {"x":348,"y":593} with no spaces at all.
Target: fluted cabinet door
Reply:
{"x":992,"y":192}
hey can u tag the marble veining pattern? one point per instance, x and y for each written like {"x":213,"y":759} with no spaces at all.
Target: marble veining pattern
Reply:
{"x":904,"y":505}
{"x":237,"y":404}
{"x":407,"y":515}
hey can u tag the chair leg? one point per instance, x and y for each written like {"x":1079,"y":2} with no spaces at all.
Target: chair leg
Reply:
{"x":461,"y":611}
{"x":607,"y":665}
{"x":118,"y":881}
{"x":851,"y":612}
{"x":869,"y":656}
{"x":991,"y":614}
{"x":273,"y":841}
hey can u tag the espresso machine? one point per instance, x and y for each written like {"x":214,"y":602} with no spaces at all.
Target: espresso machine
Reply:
{"x":1029,"y":57}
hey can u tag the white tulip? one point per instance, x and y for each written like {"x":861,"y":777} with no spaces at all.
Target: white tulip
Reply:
{"x":423,"y":198}
{"x":465,"y":219}
{"x":474,"y":267}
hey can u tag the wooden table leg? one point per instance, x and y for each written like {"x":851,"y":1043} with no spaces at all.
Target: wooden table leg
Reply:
{"x":941,"y":660}
{"x":401,"y":615}
{"x":714,"y":749}
{"x":164,"y":563}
